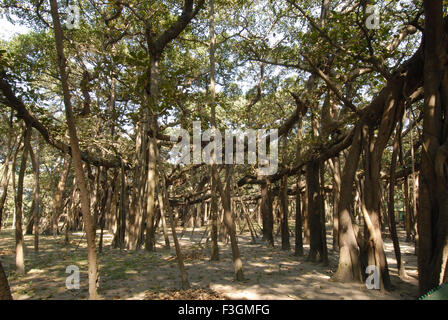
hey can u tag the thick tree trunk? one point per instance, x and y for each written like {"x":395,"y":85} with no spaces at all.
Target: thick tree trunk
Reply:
{"x":153,"y":154}
{"x":349,"y":267}
{"x":267,"y":214}
{"x":137,"y":214}
{"x":371,"y":209}
{"x":5,"y":292}
{"x":315,"y":208}
{"x":433,"y":191}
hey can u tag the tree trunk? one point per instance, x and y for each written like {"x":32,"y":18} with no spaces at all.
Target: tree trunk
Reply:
{"x":36,"y":208}
{"x":315,"y":208}
{"x":267,"y":214}
{"x":165,"y":206}
{"x":59,"y":195}
{"x":5,"y":292}
{"x":229,"y":222}
{"x":20,"y":244}
{"x":349,"y":267}
{"x":371,"y":202}
{"x":76,"y":155}
{"x":284,"y":213}
{"x":407,"y":203}
{"x":433,"y":190}
{"x":298,"y":248}
{"x":153,"y":154}
{"x":391,"y":202}
{"x":5,"y":178}
{"x":335,"y":165}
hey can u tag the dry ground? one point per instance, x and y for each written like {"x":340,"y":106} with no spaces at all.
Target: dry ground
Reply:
{"x":270,"y":274}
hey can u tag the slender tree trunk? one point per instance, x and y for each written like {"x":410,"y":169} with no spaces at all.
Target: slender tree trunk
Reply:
{"x":391,"y":202}
{"x":36,"y":208}
{"x":162,"y":216}
{"x":76,"y":154}
{"x":59,"y":195}
{"x":407,"y":203}
{"x":298,"y":248}
{"x":20,"y":244}
{"x":306,"y":225}
{"x":229,"y":222}
{"x":122,"y":210}
{"x":214,"y":254}
{"x":5,"y":178}
{"x":335,"y":165}
{"x":284,"y":213}
{"x":165,"y":206}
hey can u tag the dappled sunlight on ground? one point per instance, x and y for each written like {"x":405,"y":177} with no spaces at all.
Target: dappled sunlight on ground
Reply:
{"x":269,"y":273}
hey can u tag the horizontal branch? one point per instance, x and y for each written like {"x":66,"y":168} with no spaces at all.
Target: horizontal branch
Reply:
{"x":31,"y":120}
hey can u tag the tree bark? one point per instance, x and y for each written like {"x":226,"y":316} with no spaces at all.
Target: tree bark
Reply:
{"x":36,"y":208}
{"x":165,"y":206}
{"x":391,"y":202}
{"x":229,"y":221}
{"x":5,"y":291}
{"x":433,"y":191}
{"x":76,"y":154}
{"x":349,"y":267}
{"x":267,"y":214}
{"x":5,"y":178}
{"x":20,"y":244}
{"x":298,"y":248}
{"x":284,"y":213}
{"x":315,"y":208}
{"x":59,"y":195}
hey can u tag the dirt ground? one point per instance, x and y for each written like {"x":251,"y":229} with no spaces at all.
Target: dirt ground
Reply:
{"x":269,"y":273}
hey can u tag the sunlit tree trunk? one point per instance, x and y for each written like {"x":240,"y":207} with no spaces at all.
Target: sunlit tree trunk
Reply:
{"x":164,"y":209}
{"x":36,"y":202}
{"x":6,"y":176}
{"x":349,"y":266}
{"x":20,"y":244}
{"x":76,"y":154}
